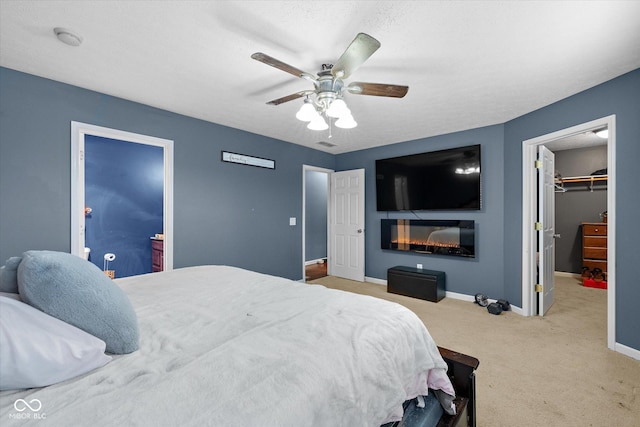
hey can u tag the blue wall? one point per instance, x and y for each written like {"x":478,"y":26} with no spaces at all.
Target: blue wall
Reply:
{"x":497,"y":270}
{"x":463,"y":275}
{"x":620,"y":96}
{"x":124,"y":187}
{"x":224,"y":213}
{"x":239,"y":215}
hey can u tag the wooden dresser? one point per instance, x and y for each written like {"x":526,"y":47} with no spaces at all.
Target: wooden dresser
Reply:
{"x":157,"y":255}
{"x":594,"y":245}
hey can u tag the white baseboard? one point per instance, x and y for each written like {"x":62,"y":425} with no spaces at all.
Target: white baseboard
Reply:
{"x":627,"y":351}
{"x":376,"y":281}
{"x":462,"y":297}
{"x":469,"y":298}
{"x":448,"y":294}
{"x":517,"y":310}
{"x":315,"y":261}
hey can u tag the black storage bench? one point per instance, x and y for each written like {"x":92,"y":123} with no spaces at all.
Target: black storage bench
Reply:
{"x":417,"y":283}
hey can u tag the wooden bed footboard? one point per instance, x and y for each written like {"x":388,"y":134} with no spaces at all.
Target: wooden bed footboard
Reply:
{"x":461,"y":371}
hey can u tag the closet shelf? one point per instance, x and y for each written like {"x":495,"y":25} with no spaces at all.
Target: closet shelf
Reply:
{"x":588,"y":178}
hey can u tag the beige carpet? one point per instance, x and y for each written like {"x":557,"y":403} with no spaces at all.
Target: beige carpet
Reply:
{"x":551,"y":371}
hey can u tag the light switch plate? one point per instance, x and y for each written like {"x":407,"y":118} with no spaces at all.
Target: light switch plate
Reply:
{"x":292,"y":221}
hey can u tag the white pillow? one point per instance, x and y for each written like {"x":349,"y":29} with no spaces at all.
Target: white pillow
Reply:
{"x":37,"y":350}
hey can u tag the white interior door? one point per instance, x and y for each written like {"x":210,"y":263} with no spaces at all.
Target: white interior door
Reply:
{"x":546,"y":232}
{"x":346,"y":254}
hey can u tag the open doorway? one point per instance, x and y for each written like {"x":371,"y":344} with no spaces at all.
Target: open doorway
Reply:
{"x":345,"y":236}
{"x":530,"y":197}
{"x":124,"y":191}
{"x":315,"y":224}
{"x":80,"y":133}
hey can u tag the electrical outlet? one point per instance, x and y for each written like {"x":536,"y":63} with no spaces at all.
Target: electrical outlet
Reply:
{"x":419,"y":266}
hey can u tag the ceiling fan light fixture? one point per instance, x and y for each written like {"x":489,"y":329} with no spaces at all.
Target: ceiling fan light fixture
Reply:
{"x":602,"y":133}
{"x":318,"y":124}
{"x":307,"y":112}
{"x":337,"y":109}
{"x":346,"y":114}
{"x":346,"y":122}
{"x":325,"y":100}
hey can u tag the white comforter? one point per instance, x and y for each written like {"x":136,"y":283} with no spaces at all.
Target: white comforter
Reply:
{"x":228,"y":347}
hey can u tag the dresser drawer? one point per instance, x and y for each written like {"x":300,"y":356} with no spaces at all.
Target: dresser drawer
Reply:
{"x":591,"y":264}
{"x":594,"y":253}
{"x":157,"y":255}
{"x":594,"y":229}
{"x":594,"y":241}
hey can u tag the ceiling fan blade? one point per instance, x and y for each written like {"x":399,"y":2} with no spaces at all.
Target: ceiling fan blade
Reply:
{"x":360,"y":49}
{"x":269,"y":60}
{"x":378,"y":89}
{"x":289,"y":97}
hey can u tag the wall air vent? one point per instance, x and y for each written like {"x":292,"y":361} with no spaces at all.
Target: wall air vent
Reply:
{"x":327,"y":144}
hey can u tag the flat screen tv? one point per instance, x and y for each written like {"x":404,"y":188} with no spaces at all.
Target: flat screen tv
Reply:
{"x":437,"y":180}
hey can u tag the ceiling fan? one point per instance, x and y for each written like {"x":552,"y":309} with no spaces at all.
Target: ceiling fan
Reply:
{"x":326,"y":97}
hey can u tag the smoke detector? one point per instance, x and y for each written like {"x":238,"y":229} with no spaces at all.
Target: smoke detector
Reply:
{"x":67,"y":36}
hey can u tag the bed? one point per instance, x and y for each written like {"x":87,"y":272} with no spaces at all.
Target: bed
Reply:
{"x":220,"y":345}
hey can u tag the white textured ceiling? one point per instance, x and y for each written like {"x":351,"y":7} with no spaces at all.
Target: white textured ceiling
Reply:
{"x":467,"y":63}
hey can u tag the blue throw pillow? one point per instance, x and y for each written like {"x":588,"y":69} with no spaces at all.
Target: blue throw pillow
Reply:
{"x":9,"y":275}
{"x":77,"y":292}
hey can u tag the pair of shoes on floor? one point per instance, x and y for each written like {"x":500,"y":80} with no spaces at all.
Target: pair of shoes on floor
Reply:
{"x":596,"y":274}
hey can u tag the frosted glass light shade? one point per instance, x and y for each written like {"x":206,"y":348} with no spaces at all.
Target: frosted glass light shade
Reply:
{"x":346,"y":122}
{"x":318,"y":124}
{"x":307,"y":112}
{"x":337,"y":109}
{"x":604,"y":133}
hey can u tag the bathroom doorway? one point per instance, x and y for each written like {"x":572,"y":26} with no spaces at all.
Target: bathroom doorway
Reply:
{"x":162,"y":149}
{"x":123,"y":204}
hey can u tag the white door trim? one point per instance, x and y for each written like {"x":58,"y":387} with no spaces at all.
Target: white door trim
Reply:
{"x":306,"y":168}
{"x":78,"y":132}
{"x":528,"y":233}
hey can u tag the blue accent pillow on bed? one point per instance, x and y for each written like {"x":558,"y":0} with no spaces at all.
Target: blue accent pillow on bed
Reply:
{"x":77,"y":292}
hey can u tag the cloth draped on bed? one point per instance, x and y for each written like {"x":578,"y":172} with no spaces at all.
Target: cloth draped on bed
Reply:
{"x":225,"y":346}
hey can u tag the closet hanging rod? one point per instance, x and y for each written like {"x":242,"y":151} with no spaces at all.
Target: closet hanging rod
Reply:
{"x":588,"y":178}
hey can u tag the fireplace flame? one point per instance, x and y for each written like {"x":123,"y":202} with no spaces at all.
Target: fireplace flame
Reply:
{"x":407,"y":242}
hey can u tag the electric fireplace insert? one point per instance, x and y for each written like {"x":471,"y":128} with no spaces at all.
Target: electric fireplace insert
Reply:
{"x":443,"y":237}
